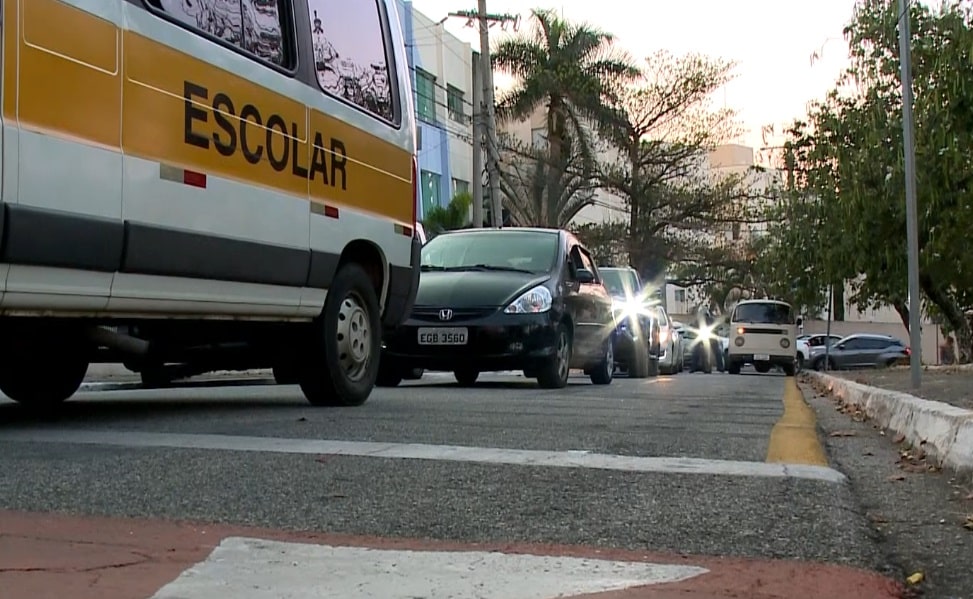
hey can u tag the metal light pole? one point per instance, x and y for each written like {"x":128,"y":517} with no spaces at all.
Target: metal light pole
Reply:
{"x":911,"y":210}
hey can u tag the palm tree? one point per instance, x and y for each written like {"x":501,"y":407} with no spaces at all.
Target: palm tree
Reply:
{"x":569,"y":69}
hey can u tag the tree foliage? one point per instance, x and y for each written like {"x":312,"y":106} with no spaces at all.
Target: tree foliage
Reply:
{"x":666,"y":129}
{"x":569,"y":70}
{"x":847,"y":204}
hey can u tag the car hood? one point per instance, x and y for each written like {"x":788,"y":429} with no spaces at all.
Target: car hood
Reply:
{"x":467,"y":289}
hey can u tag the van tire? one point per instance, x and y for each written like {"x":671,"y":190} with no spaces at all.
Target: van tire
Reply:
{"x":39,"y":376}
{"x":342,"y":361}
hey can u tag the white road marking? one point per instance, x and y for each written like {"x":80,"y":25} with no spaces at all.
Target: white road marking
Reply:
{"x":418,"y":451}
{"x":259,"y":569}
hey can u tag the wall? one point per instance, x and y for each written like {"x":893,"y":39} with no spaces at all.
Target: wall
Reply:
{"x":444,"y":143}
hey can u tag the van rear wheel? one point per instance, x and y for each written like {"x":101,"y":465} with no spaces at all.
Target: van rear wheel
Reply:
{"x":342,"y":362}
{"x":40,"y":373}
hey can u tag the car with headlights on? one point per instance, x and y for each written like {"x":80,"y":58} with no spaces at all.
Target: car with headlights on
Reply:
{"x":515,"y":298}
{"x":638,"y":332}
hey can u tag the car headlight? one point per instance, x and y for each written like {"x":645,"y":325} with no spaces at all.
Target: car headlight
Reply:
{"x":532,"y":301}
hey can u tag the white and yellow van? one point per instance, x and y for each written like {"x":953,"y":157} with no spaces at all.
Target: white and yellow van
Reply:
{"x":762,"y":333}
{"x":214,"y":183}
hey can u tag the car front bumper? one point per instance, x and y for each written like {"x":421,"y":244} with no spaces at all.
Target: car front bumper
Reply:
{"x":773,"y":359}
{"x":494,"y":342}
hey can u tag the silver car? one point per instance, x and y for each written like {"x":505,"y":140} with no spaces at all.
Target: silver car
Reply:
{"x":671,"y":354}
{"x":863,"y":351}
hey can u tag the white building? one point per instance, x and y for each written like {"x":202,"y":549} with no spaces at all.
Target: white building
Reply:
{"x":442,"y":76}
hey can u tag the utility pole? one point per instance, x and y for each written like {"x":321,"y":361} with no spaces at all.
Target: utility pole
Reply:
{"x":477,"y":142}
{"x":911,"y":210}
{"x":484,"y":20}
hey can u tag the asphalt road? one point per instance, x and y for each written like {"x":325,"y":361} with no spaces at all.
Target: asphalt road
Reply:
{"x":257,"y":455}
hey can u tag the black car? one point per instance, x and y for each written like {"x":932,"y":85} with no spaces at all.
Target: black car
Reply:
{"x":637,"y":347}
{"x":505,"y":299}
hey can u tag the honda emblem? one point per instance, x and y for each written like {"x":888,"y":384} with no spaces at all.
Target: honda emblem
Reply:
{"x":445,"y":314}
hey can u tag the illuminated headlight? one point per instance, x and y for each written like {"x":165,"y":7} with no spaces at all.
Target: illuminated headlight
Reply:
{"x":626,"y":308}
{"x":532,"y":301}
{"x":785,"y":343}
{"x":738,"y":342}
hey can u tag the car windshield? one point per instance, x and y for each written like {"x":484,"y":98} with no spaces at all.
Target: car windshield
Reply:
{"x":517,"y":251}
{"x":763,"y":313}
{"x":620,"y":282}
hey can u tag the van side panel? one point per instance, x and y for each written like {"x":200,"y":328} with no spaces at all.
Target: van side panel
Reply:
{"x":8,"y":118}
{"x":135,"y":178}
{"x":67,"y":210}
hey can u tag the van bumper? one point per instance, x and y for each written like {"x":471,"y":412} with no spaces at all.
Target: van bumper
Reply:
{"x":403,"y":284}
{"x":775,"y":359}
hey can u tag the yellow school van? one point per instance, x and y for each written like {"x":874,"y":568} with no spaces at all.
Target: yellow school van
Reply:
{"x":204,"y":184}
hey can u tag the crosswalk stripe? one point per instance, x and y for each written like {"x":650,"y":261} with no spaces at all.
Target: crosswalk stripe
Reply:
{"x":417,"y":451}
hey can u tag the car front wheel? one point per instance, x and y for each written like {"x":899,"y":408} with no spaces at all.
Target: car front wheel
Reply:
{"x":553,"y":374}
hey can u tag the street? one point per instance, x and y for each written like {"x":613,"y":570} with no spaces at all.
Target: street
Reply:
{"x":671,"y":470}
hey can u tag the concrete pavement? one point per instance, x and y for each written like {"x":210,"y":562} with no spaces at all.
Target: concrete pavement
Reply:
{"x":703,"y":472}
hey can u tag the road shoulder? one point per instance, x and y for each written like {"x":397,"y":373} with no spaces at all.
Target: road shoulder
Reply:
{"x":917,"y":512}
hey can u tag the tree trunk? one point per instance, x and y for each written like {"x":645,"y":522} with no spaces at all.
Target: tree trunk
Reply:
{"x":838,"y":307}
{"x":555,"y":143}
{"x":903,"y":312}
{"x":954,"y":316}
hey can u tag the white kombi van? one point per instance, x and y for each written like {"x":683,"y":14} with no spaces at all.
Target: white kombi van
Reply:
{"x":199,"y":183}
{"x":762,"y":333}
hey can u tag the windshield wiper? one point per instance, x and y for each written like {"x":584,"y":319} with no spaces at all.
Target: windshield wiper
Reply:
{"x":427,"y":267}
{"x":490,"y":268}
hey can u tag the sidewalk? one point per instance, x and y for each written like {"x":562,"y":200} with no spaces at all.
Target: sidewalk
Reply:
{"x":116,"y":373}
{"x":938,"y":418}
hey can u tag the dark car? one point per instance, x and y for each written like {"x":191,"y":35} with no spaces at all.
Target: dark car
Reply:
{"x":637,"y":336}
{"x":505,"y":299}
{"x":863,"y":351}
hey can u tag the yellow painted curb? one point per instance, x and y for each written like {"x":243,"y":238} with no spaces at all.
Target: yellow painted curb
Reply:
{"x":794,"y":439}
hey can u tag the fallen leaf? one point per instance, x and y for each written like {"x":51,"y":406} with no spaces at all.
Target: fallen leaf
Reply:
{"x":878,"y":519}
{"x":898,"y":438}
{"x":968,"y":525}
{"x":867,"y":453}
{"x":915,"y":578}
{"x":896,"y":477}
{"x":843,"y":434}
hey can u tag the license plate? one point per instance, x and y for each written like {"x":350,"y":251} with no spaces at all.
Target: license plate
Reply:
{"x":761,"y":358}
{"x":443,"y":336}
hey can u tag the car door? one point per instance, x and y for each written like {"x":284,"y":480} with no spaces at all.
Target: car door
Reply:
{"x":848,"y":354}
{"x":587,"y":324}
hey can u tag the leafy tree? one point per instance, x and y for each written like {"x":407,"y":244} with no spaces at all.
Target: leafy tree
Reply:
{"x":665,"y":129}
{"x":455,"y":215}
{"x":567,"y":69}
{"x":849,"y":159}
{"x":607,"y":242}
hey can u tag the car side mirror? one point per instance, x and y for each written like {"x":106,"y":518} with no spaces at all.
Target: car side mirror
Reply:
{"x":584,"y":276}
{"x":840,"y":346}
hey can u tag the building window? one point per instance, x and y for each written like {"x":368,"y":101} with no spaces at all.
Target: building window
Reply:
{"x":680,"y":296}
{"x":460,"y":186}
{"x":430,"y":191}
{"x":351,"y":61}
{"x":426,"y":96}
{"x":454,"y":101}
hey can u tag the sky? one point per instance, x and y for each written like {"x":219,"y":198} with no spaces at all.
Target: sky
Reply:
{"x":771,"y":40}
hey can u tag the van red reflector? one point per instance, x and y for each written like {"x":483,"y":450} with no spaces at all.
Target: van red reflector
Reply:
{"x":176,"y":174}
{"x":331,"y":212}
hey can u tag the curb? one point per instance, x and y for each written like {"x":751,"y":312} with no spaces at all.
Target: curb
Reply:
{"x":945,"y":431}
